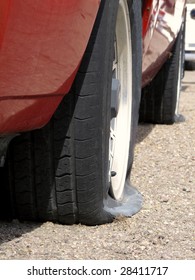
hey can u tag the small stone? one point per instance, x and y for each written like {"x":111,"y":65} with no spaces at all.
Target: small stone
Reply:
{"x":164,"y":200}
{"x":185,"y":190}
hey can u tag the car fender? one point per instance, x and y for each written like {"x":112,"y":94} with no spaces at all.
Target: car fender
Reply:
{"x":41,"y":47}
{"x":162,"y":21}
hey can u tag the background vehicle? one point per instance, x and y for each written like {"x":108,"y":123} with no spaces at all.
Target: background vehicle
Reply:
{"x":77,"y":114}
{"x":189,"y":38}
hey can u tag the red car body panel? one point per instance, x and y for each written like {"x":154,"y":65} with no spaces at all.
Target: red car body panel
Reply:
{"x":42,"y":43}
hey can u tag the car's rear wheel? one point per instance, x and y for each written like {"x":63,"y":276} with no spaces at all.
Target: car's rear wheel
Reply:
{"x":160,"y":99}
{"x":66,"y":171}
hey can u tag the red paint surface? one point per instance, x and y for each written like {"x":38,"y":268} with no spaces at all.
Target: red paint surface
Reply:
{"x":41,"y":46}
{"x":42,"y":43}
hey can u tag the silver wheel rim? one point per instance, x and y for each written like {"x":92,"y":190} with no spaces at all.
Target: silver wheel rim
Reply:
{"x":179,"y":81}
{"x":121,"y":103}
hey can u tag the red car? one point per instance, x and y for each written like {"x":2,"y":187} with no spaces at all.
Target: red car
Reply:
{"x":75,"y":78}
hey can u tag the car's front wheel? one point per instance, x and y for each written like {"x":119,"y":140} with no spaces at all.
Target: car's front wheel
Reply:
{"x":66,"y":171}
